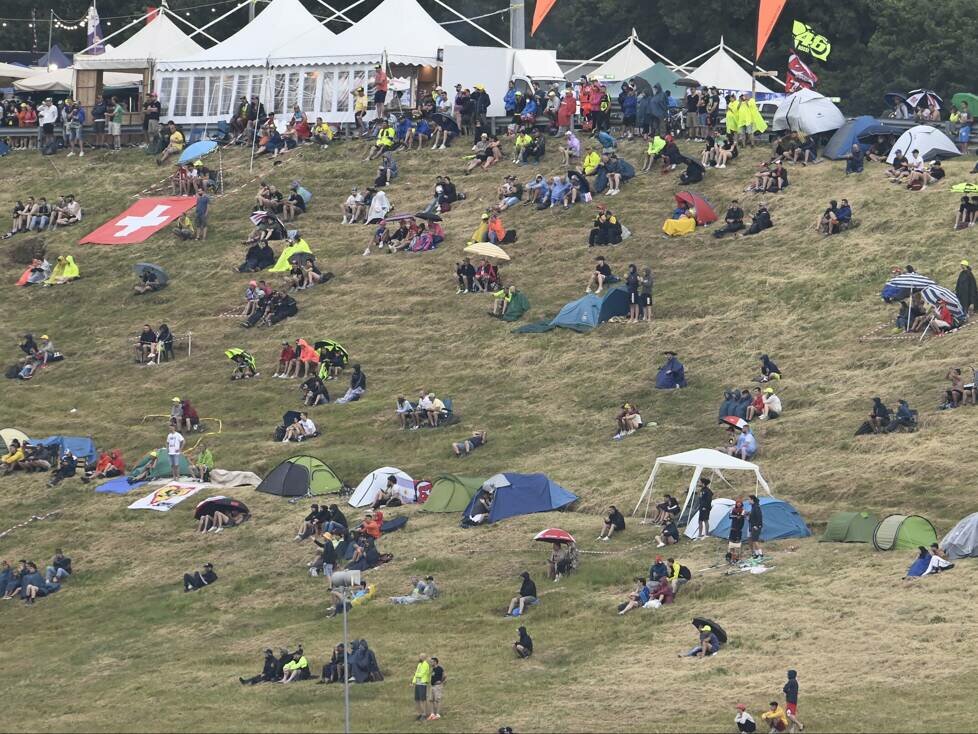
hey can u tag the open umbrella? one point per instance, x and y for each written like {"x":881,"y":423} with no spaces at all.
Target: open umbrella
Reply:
{"x":698,"y":622}
{"x":487,"y":249}
{"x":891,"y":98}
{"x":428,"y":216}
{"x":970,"y":99}
{"x":923,"y":98}
{"x":554,"y":535}
{"x":936,"y":293}
{"x":399,"y":217}
{"x":704,"y":212}
{"x":219,"y":503}
{"x":161,"y":277}
{"x":687,"y":81}
{"x":197,"y":150}
{"x":446,"y":122}
{"x":332,"y":346}
{"x":732,"y":420}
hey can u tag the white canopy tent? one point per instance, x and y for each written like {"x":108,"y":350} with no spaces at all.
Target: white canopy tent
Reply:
{"x":698,"y":459}
{"x":10,"y":73}
{"x":626,"y":62}
{"x":61,"y":81}
{"x":158,"y":40}
{"x":809,"y":112}
{"x":723,"y":71}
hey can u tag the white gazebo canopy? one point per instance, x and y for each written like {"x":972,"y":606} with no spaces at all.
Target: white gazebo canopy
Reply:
{"x":698,"y":459}
{"x":401,"y":29}
{"x":627,"y":61}
{"x":723,"y":71}
{"x":158,"y":40}
{"x":60,"y":80}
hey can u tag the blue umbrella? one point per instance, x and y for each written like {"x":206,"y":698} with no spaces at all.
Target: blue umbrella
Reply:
{"x":912,"y":281}
{"x":197,"y":150}
{"x":934,"y":293}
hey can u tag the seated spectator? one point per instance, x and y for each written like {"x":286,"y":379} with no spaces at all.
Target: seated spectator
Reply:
{"x":571,"y":149}
{"x":629,"y":420}
{"x":312,"y":523}
{"x":486,"y":276}
{"x":636,"y":599}
{"x":560,"y":187}
{"x":109,"y":464}
{"x":295,"y":669}
{"x":614,"y":521}
{"x":67,"y":212}
{"x":538,"y":192}
{"x":510,"y":193}
{"x":564,"y":559}
{"x":353,"y":208}
{"x":828,"y":223}
{"x":175,"y":142}
{"x":806,"y":151}
{"x":202,"y":464}
{"x":433,"y":408}
{"x":682,"y":222}
{"x":245,"y":366}
{"x":668,"y":508}
{"x":421,"y":590}
{"x":769,"y":370}
{"x":33,"y":585}
{"x":358,"y":386}
{"x":605,"y":230}
{"x":527,"y":595}
{"x":466,"y":447}
{"x":59,"y":569}
{"x":756,"y":407}
{"x":389,"y":496}
{"x":303,"y":428}
{"x":405,"y":412}
{"x":147,"y":469}
{"x":184,"y":228}
{"x":760,"y":221}
{"x":733,"y":220}
{"x":14,"y":456}
{"x":523,"y":647}
{"x":899,"y":169}
{"x":271,"y":672}
{"x":904,"y":419}
{"x":772,"y":404}
{"x":669,"y":535}
{"x":198,"y":580}
{"x":709,"y":644}
{"x":694,"y":172}
{"x":67,"y":467}
{"x":726,"y":151}
{"x":744,"y":447}
{"x":335,"y":670}
{"x":287,"y":361}
{"x":600,"y":276}
{"x":880,"y":149}
{"x":855,"y":160}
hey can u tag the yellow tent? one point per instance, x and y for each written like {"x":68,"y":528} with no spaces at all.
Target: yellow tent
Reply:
{"x":283,"y":265}
{"x":65,"y":270}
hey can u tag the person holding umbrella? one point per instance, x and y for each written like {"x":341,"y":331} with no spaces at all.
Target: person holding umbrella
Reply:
{"x":564,"y":557}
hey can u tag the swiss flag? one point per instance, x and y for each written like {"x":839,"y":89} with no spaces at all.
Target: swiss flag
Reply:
{"x":140,"y":221}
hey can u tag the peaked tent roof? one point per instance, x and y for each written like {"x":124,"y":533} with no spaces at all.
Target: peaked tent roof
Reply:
{"x":283,"y":34}
{"x":300,"y":476}
{"x":809,"y":112}
{"x":962,"y":541}
{"x":401,"y":28}
{"x":723,"y":71}
{"x":626,"y":62}
{"x":158,"y":40}
{"x":708,"y":459}
{"x":929,"y":141}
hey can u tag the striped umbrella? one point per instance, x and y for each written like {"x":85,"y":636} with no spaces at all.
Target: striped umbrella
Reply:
{"x":912,"y":281}
{"x":934,"y":293}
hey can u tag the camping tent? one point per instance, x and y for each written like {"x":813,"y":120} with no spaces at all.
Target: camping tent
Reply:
{"x":8,"y":435}
{"x":860,"y":130}
{"x":705,"y":214}
{"x":82,"y":447}
{"x":931,"y":142}
{"x":452,"y":493}
{"x":781,"y":520}
{"x":809,"y":112}
{"x":719,"y":510}
{"x":300,"y":476}
{"x":158,"y":40}
{"x":850,"y":527}
{"x":162,"y":470}
{"x":962,"y":541}
{"x":366,"y":492}
{"x":903,"y":532}
{"x":722,"y":71}
{"x":626,"y":62}
{"x":585,"y":313}
{"x":698,"y":459}
{"x":61,"y":81}
{"x":522,"y":494}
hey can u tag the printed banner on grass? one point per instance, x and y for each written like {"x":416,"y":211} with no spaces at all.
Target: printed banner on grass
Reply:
{"x":140,"y":221}
{"x":165,"y":498}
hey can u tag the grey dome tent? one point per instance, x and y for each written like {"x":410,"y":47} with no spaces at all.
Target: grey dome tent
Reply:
{"x":301,"y":476}
{"x":808,"y":112}
{"x":903,"y":532}
{"x":962,"y":541}
{"x":850,"y":527}
{"x":929,"y":141}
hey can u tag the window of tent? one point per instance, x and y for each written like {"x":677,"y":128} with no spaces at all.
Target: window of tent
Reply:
{"x":230,"y":94}
{"x":343,"y":91}
{"x":164,"y":92}
{"x":278,"y":95}
{"x":180,"y":96}
{"x":327,"y":101}
{"x":198,"y":91}
{"x":213,"y":94}
{"x":310,"y":87}
{"x":293,"y":88}
{"x":254,"y":86}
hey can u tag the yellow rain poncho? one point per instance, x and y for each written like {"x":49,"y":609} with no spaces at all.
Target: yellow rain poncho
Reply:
{"x":732,"y":107}
{"x":591,"y":162}
{"x":283,"y":265}
{"x":686,"y":224}
{"x":65,"y":270}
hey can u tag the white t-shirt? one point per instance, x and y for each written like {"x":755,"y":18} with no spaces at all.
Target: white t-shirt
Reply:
{"x":916,"y":163}
{"x":773,"y":402}
{"x":48,"y":114}
{"x":425,"y":403}
{"x":308,"y":427}
{"x":174,"y":443}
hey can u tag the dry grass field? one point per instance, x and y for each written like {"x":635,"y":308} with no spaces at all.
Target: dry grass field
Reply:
{"x":122,"y":649}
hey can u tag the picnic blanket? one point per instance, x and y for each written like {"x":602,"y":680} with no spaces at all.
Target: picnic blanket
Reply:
{"x":118,"y":485}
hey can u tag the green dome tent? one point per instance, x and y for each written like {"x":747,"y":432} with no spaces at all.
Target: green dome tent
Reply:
{"x":301,"y":476}
{"x":162,"y":470}
{"x":903,"y":532}
{"x":850,"y":527}
{"x":451,"y":493}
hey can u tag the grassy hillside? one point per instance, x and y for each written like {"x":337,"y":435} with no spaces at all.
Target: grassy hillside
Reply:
{"x":141,"y":655}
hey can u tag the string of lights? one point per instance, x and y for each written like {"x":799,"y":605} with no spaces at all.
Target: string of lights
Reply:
{"x":71,"y":25}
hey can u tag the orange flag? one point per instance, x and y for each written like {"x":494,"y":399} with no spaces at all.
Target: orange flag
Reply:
{"x":542,"y":8}
{"x":767,"y":16}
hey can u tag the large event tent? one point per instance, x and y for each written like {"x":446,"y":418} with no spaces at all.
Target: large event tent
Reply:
{"x":723,"y":71}
{"x":699,"y":460}
{"x":62,"y":81}
{"x":626,"y":62}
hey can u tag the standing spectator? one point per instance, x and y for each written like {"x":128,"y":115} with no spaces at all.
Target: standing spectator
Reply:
{"x":381,"y":84}
{"x":744,"y":721}
{"x":75,"y":123}
{"x":98,"y":120}
{"x":174,"y":449}
{"x":47,"y":117}
{"x":527,"y":595}
{"x":200,"y":213}
{"x":524,"y":645}
{"x":437,"y":687}
{"x":966,"y":289}
{"x":964,"y":128}
{"x":421,"y":682}
{"x":755,"y":522}
{"x":115,"y":123}
{"x":705,"y":505}
{"x":736,"y":536}
{"x":647,"y":283}
{"x":791,"y":700}
{"x":151,"y":119}
{"x":614,"y":521}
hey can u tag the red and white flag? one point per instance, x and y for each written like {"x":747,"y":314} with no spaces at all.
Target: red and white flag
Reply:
{"x":140,"y":221}
{"x":799,"y":76}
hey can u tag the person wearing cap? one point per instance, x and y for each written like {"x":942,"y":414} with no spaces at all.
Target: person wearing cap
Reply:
{"x":386,"y":140}
{"x":326,"y":559}
{"x":966,"y":288}
{"x":527,"y":595}
{"x":176,"y":411}
{"x":709,"y":644}
{"x":481,"y":101}
{"x":380,"y":85}
{"x":151,"y":118}
{"x":198,"y":579}
{"x":744,"y":721}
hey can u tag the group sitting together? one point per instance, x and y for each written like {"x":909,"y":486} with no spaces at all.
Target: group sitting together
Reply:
{"x":665,"y":579}
{"x":152,"y":347}
{"x":407,"y":235}
{"x":914,"y":171}
{"x":472,"y":279}
{"x":880,"y":420}
{"x":429,"y":411}
{"x":35,"y":357}
{"x":26,"y":582}
{"x":835,"y":218}
{"x":294,"y":666}
{"x":270,"y":199}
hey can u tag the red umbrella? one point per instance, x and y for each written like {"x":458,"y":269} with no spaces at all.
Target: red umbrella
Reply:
{"x":554,"y":535}
{"x":704,"y":212}
{"x":732,"y":420}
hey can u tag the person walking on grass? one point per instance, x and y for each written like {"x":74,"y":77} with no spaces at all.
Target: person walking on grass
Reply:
{"x":437,"y":686}
{"x":421,"y":682}
{"x":791,"y":701}
{"x":174,"y":448}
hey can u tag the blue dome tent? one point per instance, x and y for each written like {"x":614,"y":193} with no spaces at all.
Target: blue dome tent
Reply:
{"x":781,"y":520}
{"x":585,"y":313}
{"x":520,"y":494}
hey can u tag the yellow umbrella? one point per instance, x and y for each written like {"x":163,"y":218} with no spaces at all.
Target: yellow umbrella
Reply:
{"x":487,"y":249}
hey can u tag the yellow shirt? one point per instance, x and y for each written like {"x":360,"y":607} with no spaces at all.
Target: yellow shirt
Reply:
{"x":777,"y":715}
{"x":522,"y":140}
{"x":591,"y":162}
{"x":13,"y":457}
{"x":176,"y":140}
{"x":360,"y":103}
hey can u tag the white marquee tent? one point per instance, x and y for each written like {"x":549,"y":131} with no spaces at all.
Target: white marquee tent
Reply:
{"x":61,"y":80}
{"x":158,"y":40}
{"x":626,"y":62}
{"x":723,"y":71}
{"x":699,"y":460}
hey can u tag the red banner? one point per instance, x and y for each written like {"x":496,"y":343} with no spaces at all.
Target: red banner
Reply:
{"x":140,"y":221}
{"x":767,"y":16}
{"x":151,"y":13}
{"x":540,"y":12}
{"x":799,"y":76}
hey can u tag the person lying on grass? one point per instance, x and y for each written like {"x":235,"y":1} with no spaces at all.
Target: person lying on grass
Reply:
{"x":198,"y":580}
{"x":466,"y":447}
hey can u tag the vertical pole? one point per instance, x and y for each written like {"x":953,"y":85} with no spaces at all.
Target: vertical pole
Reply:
{"x":251,"y":11}
{"x":517,"y":23}
{"x":346,"y":667}
{"x":50,"y":33}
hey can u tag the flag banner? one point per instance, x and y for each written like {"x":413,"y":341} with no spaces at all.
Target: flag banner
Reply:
{"x":799,"y":76}
{"x":151,"y":13}
{"x":139,"y":221}
{"x":767,"y":15}
{"x":94,"y":32}
{"x":540,"y":12}
{"x":165,"y":498}
{"x":809,"y":42}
